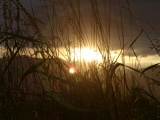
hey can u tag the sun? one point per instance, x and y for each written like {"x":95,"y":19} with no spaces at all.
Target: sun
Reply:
{"x":72,"y":70}
{"x":86,"y":54}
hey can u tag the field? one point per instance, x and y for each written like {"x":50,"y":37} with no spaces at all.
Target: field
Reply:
{"x":73,"y":59}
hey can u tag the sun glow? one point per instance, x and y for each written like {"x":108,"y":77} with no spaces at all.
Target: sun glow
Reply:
{"x":86,"y":54}
{"x":72,"y":70}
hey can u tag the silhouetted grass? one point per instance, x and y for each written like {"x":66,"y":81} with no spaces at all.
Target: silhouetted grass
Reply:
{"x":35,"y":82}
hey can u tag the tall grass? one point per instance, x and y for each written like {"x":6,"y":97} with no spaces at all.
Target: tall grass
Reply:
{"x":35,"y":81}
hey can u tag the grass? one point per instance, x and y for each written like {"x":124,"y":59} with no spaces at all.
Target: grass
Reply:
{"x":35,"y":82}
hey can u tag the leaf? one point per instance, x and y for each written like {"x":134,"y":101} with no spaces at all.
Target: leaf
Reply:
{"x":29,"y":39}
{"x":151,"y":96}
{"x":4,"y":40}
{"x":148,"y":68}
{"x":114,"y":68}
{"x":30,"y":70}
{"x":135,"y":39}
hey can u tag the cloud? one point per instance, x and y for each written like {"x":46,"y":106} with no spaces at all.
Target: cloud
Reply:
{"x":66,"y":28}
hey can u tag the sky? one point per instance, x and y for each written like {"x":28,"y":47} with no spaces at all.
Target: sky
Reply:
{"x":143,"y":12}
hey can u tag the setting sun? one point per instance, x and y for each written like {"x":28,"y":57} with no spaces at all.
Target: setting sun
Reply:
{"x":72,"y":70}
{"x":86,"y":54}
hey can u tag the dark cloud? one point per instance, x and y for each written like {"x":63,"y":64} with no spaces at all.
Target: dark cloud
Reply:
{"x":143,"y":10}
{"x":147,"y":11}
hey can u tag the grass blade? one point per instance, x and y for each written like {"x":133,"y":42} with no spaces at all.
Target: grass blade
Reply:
{"x":150,"y":67}
{"x":135,"y":39}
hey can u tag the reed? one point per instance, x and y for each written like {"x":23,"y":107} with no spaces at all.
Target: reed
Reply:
{"x":35,"y":82}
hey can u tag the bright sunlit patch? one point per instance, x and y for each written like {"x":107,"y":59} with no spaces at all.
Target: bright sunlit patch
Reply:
{"x":86,"y":54}
{"x":72,"y":70}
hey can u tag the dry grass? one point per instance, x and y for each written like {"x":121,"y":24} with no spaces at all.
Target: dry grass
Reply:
{"x":35,"y":82}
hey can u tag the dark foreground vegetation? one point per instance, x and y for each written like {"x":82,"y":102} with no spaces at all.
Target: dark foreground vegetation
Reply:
{"x":35,"y":83}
